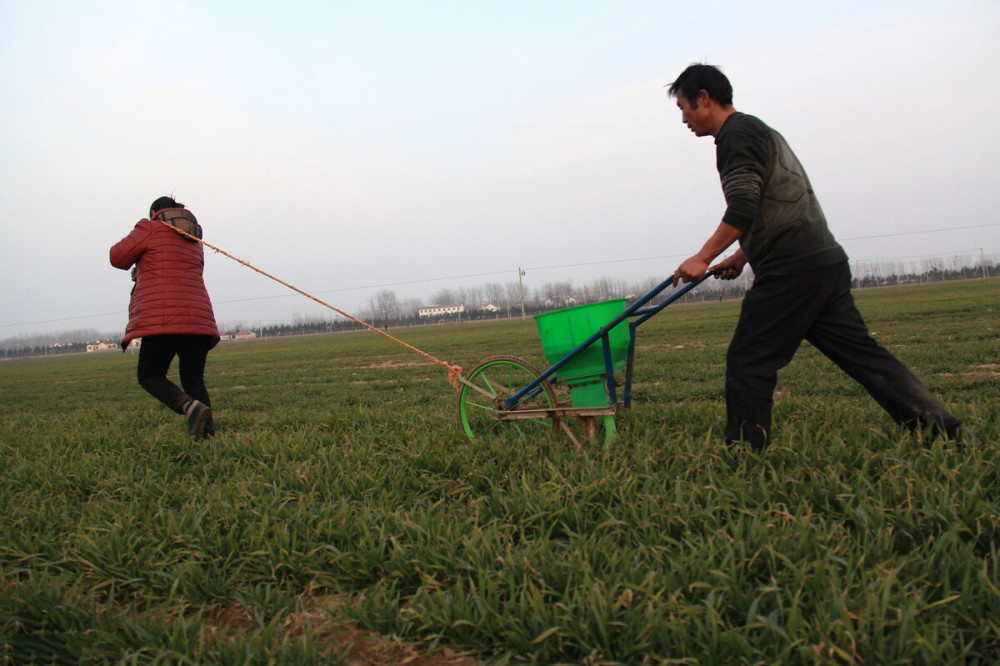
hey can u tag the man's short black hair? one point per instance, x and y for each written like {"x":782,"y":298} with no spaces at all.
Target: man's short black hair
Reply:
{"x":703,"y":77}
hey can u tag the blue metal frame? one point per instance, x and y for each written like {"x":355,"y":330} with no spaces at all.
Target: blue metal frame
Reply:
{"x":640,"y":309}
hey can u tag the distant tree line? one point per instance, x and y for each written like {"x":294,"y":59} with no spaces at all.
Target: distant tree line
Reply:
{"x":880,"y":274}
{"x":385,"y":310}
{"x":48,"y":344}
{"x":44,"y":350}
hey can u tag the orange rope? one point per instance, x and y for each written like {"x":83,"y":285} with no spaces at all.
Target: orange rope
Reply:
{"x":454,"y":371}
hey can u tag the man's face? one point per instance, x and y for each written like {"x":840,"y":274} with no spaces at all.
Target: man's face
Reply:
{"x":695,"y":113}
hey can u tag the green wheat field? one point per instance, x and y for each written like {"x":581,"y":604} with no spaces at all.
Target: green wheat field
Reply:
{"x":341,"y":516}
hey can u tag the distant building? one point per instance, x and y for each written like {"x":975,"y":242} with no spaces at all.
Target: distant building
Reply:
{"x":489,"y":307}
{"x":440,"y":310}
{"x":108,"y":345}
{"x":245,"y":335}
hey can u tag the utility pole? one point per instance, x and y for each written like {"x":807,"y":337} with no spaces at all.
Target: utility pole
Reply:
{"x":520,"y":284}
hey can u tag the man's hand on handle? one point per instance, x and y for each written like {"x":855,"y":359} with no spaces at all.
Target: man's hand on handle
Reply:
{"x":731,"y":267}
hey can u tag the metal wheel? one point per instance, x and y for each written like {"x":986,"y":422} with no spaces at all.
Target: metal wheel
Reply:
{"x":490,"y":383}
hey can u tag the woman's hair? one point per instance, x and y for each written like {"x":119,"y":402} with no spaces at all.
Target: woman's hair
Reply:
{"x":703,"y":77}
{"x":164,"y":202}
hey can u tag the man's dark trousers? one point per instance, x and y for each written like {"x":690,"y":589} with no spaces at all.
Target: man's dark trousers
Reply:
{"x":780,"y":312}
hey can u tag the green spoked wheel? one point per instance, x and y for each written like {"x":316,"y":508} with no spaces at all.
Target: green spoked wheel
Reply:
{"x":489,"y":384}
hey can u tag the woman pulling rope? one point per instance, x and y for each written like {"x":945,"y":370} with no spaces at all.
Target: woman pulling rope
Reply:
{"x":170,"y":310}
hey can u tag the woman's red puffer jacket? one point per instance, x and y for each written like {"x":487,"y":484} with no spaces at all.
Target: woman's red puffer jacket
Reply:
{"x":169,"y":295}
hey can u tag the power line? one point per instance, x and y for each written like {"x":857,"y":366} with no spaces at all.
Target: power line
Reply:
{"x":923,"y":256}
{"x":589,"y":263}
{"x":55,"y":321}
{"x":611,"y":261}
{"x":925,"y":231}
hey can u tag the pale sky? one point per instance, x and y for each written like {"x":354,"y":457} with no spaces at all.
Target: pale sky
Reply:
{"x":347,"y":146}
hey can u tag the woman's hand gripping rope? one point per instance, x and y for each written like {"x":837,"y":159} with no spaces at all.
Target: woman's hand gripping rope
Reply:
{"x":454,"y":371}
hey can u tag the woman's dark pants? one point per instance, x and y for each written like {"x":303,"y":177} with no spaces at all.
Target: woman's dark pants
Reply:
{"x":155,"y":355}
{"x":778,"y":313}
